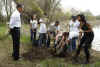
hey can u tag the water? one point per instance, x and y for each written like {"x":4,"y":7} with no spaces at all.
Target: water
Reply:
{"x":96,"y":41}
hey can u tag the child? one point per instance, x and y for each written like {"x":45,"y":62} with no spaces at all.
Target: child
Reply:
{"x":54,"y":29}
{"x":42,"y":33}
{"x":58,"y":39}
{"x":63,"y":45}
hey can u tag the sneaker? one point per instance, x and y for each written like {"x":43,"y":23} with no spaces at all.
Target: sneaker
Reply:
{"x":18,"y":58}
{"x":86,"y":62}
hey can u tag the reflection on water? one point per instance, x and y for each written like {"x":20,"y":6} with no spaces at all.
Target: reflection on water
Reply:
{"x":96,"y":41}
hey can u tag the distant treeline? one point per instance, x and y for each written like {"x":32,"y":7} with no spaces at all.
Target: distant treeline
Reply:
{"x":49,"y":9}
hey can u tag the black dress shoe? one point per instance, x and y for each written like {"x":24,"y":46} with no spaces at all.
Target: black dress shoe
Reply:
{"x":16,"y":58}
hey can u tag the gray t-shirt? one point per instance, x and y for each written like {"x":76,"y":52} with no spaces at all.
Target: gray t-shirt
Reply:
{"x":53,"y":28}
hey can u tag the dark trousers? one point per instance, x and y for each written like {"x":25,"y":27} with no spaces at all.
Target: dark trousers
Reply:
{"x":42,"y":39}
{"x":16,"y":42}
{"x":33,"y":34}
{"x":85,"y":43}
{"x":48,"y":42}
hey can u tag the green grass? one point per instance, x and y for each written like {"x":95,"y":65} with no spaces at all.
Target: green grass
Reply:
{"x":61,"y":63}
{"x":25,"y":39}
{"x":3,"y":29}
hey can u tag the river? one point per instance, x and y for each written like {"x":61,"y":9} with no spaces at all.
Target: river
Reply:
{"x":96,"y":41}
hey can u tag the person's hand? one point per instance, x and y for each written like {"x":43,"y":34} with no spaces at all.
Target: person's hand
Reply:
{"x":81,"y":31}
{"x":33,"y":30}
{"x":9,"y":31}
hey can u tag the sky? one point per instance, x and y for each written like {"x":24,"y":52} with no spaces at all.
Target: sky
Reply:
{"x":92,"y":5}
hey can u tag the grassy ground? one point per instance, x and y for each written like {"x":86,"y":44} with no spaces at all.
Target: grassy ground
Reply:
{"x":35,"y":57}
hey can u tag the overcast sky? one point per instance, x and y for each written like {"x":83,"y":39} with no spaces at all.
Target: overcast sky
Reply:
{"x":92,"y":5}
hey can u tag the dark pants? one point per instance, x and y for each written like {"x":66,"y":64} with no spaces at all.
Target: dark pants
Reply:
{"x":85,"y":43}
{"x":48,"y":42}
{"x":33,"y":36}
{"x":42,"y":39}
{"x":16,"y":42}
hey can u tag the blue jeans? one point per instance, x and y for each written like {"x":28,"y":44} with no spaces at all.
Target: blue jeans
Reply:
{"x":73,"y":44}
{"x":33,"y":35}
{"x":42,"y":39}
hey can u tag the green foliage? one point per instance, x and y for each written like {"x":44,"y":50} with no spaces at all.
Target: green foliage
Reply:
{"x":52,"y":9}
{"x":58,"y":15}
{"x":49,"y":8}
{"x":31,"y":6}
{"x":68,"y":15}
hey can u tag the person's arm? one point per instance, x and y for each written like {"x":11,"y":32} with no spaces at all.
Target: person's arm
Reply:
{"x":80,"y":33}
{"x":68,"y":27}
{"x":60,"y":44}
{"x":11,"y":23}
{"x":30,"y":25}
{"x":58,"y":30}
{"x":31,"y":22}
{"x":45,"y":26}
{"x":12,"y":20}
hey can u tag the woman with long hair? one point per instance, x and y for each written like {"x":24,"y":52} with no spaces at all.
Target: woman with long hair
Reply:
{"x":85,"y":39}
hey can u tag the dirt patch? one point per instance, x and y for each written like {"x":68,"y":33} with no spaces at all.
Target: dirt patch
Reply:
{"x":37,"y":54}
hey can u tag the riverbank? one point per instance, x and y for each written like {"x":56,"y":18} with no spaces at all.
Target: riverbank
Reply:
{"x":31,"y":57}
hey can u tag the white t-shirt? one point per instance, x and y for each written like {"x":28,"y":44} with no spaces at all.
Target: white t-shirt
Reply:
{"x":15,"y":20}
{"x":34,"y":24}
{"x":57,"y":28}
{"x":43,"y":28}
{"x":74,"y":29}
{"x":74,"y":26}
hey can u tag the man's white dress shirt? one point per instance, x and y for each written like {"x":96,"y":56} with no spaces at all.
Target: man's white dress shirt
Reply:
{"x":15,"y":20}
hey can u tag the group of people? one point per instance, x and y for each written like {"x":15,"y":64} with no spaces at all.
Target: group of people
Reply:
{"x":44,"y":32}
{"x":79,"y":30}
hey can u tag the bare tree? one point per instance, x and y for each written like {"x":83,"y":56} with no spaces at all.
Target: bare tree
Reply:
{"x":7,"y":5}
{"x":46,"y":8}
{"x":49,"y":7}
